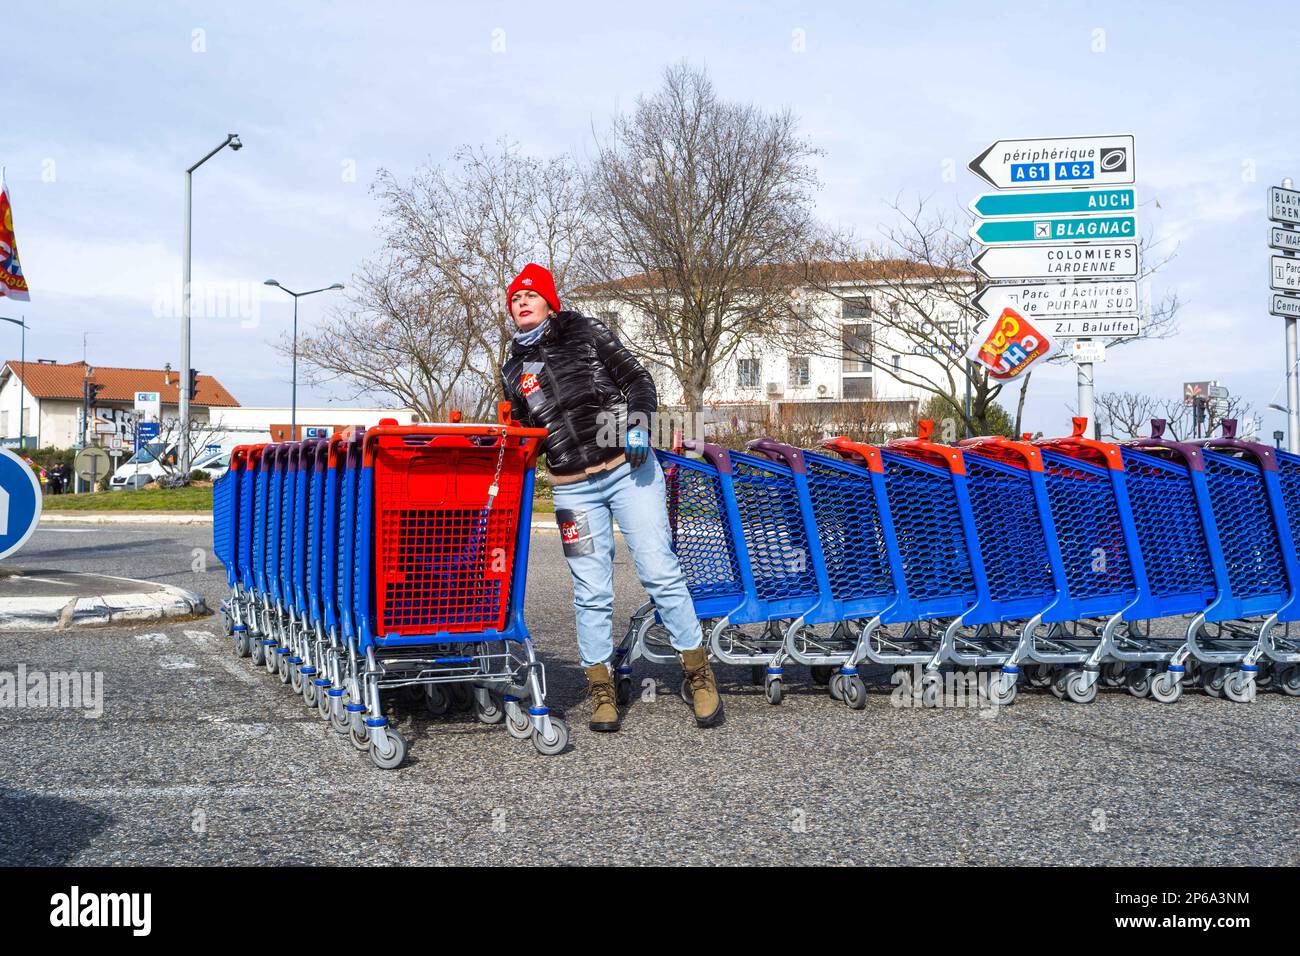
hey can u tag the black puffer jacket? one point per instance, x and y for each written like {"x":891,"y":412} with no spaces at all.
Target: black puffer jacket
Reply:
{"x":581,"y":385}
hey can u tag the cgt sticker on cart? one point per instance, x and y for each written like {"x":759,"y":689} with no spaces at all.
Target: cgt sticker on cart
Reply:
{"x":1009,"y":345}
{"x":575,"y":533}
{"x":530,"y":383}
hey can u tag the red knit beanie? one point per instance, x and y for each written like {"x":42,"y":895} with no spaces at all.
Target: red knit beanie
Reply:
{"x":537,"y":279}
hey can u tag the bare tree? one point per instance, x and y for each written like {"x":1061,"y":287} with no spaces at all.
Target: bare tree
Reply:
{"x":694,"y":200}
{"x":921,"y":270}
{"x":1125,"y":415}
{"x":427,"y":325}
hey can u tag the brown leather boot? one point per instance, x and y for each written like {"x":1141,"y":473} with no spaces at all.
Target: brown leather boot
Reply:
{"x":701,"y":687}
{"x":604,"y":711}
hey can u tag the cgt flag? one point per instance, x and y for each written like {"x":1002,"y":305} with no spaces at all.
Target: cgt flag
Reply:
{"x":1009,"y":345}
{"x":12,"y":282}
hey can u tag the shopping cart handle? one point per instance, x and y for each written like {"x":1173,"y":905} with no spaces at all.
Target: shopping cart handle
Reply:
{"x":1191,"y":454}
{"x":780,"y":452}
{"x":992,"y":444}
{"x":847,"y":448}
{"x":716,"y":455}
{"x":1230,"y":442}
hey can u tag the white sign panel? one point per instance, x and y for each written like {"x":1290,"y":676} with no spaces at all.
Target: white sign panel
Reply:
{"x":149,"y":405}
{"x":1062,"y":300}
{"x":1288,"y":240}
{"x":1101,"y":260}
{"x":1093,"y":328}
{"x":1058,"y":161}
{"x":1283,"y":204}
{"x":1088,"y":351}
{"x":1284,"y":274}
{"x":1285,"y":305}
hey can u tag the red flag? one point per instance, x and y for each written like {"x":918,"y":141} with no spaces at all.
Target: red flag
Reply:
{"x":12,"y":282}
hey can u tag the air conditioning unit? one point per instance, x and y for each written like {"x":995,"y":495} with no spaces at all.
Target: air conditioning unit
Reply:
{"x":822,"y":389}
{"x":774,"y":389}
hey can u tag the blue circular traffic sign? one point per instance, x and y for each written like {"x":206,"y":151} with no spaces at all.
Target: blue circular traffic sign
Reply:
{"x":20,"y":502}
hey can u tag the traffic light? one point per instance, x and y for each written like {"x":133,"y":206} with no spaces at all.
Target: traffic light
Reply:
{"x":92,"y":391}
{"x":193,"y":384}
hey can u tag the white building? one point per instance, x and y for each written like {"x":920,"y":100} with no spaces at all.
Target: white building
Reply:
{"x":50,"y":405}
{"x":856,"y":343}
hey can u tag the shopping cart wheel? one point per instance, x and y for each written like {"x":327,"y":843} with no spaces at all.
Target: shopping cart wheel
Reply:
{"x":517,"y":723}
{"x":757,"y":674}
{"x":396,"y":753}
{"x":822,"y":674}
{"x":1036,"y":675}
{"x":1112,"y":674}
{"x":1264,"y":676}
{"x":460,"y":697}
{"x":836,"y":687}
{"x":295,"y":678}
{"x":436,"y":701}
{"x":559,"y":739}
{"x":1057,"y":687}
{"x":773,"y":690}
{"x":684,"y":689}
{"x":324,"y":703}
{"x":360,"y":739}
{"x":243,"y":644}
{"x":623,"y":691}
{"x":1289,"y":681}
{"x":1240,"y":687}
{"x":1213,"y":679}
{"x":490,"y":713}
{"x":1137,"y":680}
{"x":340,"y":722}
{"x":258,"y":652}
{"x":1079,"y":689}
{"x":1002,"y":689}
{"x":1165,"y":688}
{"x":853,"y":691}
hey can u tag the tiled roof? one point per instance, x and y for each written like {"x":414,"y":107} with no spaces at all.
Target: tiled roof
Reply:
{"x":120,"y":384}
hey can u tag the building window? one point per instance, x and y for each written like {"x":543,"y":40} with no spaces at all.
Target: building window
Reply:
{"x":897,"y":363}
{"x":856,"y":343}
{"x":800,"y":373}
{"x":610,"y":319}
{"x":895,"y":311}
{"x":856,"y":308}
{"x":749,"y":372}
{"x":857,"y":387}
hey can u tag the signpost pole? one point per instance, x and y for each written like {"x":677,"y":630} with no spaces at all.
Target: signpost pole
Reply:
{"x":1086,"y":409}
{"x":1292,"y":381}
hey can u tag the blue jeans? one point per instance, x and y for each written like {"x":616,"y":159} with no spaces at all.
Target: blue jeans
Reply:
{"x":635,"y":497}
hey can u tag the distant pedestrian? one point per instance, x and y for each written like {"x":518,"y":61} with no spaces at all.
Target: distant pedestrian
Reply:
{"x":55,"y":477}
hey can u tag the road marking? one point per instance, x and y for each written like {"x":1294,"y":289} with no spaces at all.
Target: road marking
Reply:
{"x":232,"y":668}
{"x":32,"y":577}
{"x":176,"y":662}
{"x":153,"y":638}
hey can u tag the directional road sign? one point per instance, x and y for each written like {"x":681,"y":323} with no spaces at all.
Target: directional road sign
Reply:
{"x":1283,"y":204}
{"x":20,"y":502}
{"x":1097,"y":260}
{"x":1062,"y":300}
{"x":1288,"y":240}
{"x":1007,"y":231}
{"x":1058,"y":202}
{"x":1287,"y":306}
{"x":1284,"y":273}
{"x":1059,"y":161}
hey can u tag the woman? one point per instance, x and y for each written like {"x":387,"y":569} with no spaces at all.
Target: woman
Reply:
{"x":568,"y":374}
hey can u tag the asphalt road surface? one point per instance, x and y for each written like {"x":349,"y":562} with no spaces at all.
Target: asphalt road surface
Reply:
{"x":197,"y":758}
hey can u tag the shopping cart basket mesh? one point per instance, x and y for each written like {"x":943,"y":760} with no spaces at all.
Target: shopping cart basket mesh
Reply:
{"x":1088,"y":528}
{"x":1009,"y":530}
{"x":849,"y":526}
{"x":1247,"y":532}
{"x":774,"y":532}
{"x":1174,"y":548}
{"x":701,"y":533}
{"x":245,"y":546}
{"x":1288,"y":479}
{"x":927,"y":524}
{"x":223,"y":515}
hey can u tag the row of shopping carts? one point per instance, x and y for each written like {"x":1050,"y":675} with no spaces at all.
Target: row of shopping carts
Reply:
{"x":1055,"y":563}
{"x":385,"y":559}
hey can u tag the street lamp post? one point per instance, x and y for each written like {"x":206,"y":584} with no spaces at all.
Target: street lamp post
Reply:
{"x":232,"y":140}
{"x":22,"y":381}
{"x":293,"y":408}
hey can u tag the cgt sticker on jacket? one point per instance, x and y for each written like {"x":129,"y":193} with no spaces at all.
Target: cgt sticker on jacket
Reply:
{"x":575,"y":533}
{"x":530,"y":383}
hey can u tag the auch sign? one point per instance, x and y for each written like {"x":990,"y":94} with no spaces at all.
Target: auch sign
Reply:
{"x":1072,"y":202}
{"x":1077,"y":229}
{"x":20,"y":502}
{"x":1094,"y":260}
{"x":1058,"y":161}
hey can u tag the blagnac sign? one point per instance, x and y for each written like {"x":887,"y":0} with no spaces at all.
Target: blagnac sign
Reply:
{"x":74,"y":908}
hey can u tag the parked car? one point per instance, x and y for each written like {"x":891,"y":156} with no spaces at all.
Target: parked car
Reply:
{"x":156,"y":459}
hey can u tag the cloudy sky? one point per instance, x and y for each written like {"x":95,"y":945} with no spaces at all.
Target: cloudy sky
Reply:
{"x":105,"y":106}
